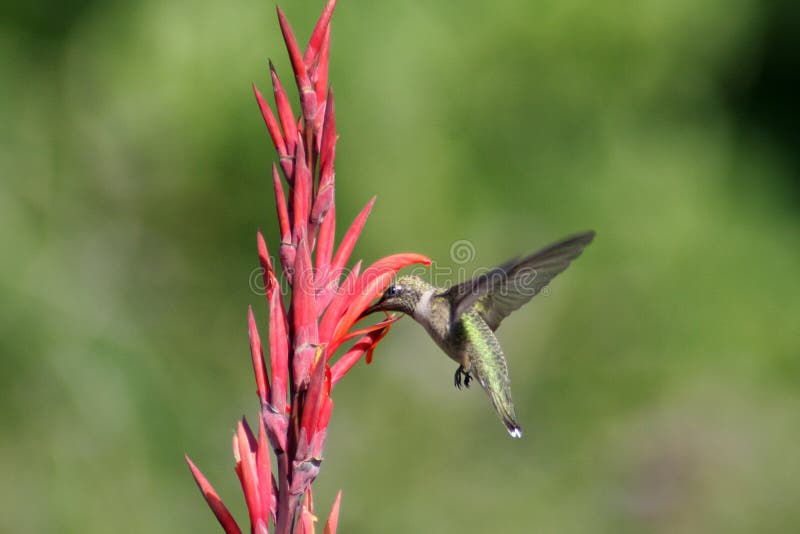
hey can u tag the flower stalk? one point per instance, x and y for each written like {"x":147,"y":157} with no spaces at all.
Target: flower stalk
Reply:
{"x":295,"y":377}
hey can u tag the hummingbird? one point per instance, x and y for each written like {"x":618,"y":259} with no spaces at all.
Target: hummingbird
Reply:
{"x":463,"y":318}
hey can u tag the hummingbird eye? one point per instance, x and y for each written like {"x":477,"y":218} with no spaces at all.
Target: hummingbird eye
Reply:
{"x":392,"y":290}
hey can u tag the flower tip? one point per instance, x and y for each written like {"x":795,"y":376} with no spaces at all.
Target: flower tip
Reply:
{"x":333,"y":518}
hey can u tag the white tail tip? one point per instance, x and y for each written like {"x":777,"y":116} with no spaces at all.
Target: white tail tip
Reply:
{"x":516,"y":432}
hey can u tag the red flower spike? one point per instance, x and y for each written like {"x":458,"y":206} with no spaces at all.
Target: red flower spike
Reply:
{"x":333,"y":518}
{"x":304,"y":316}
{"x":318,"y":35}
{"x":308,"y":98}
{"x":349,"y":240}
{"x":280,"y":203}
{"x":338,"y":305}
{"x":246,"y":469}
{"x":259,"y":367}
{"x":214,"y":502}
{"x":264,"y":469}
{"x":272,"y":124}
{"x":323,"y":307}
{"x":285,"y":113}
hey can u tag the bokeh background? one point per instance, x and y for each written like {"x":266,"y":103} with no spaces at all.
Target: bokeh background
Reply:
{"x":658,"y":383}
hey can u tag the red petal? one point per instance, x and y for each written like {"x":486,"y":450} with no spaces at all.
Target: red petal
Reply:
{"x":247,"y":471}
{"x":301,"y":194}
{"x":280,"y":203}
{"x":327,"y":231}
{"x":259,"y":367}
{"x":306,"y":518}
{"x":381,"y":334}
{"x":351,"y":357}
{"x":338,"y":306}
{"x":372,"y":328}
{"x":349,"y":240}
{"x":265,"y":261}
{"x":315,"y":397}
{"x":272,"y":124}
{"x":370,"y":284}
{"x":264,"y":468}
{"x":324,"y":412}
{"x":321,"y":75}
{"x":285,"y":113}
{"x":328,"y":144}
{"x":333,"y":518}
{"x":317,"y":36}
{"x":308,"y":98}
{"x":278,"y":348}
{"x":214,"y":502}
{"x":304,"y":315}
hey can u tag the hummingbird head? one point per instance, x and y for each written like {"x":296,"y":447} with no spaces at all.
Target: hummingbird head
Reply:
{"x":402,"y":295}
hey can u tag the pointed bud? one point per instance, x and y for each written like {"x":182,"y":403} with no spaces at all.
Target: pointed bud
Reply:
{"x":266,"y":482}
{"x":308,"y":98}
{"x":350,"y":238}
{"x":327,"y":231}
{"x":285,"y":113}
{"x":244,"y":446}
{"x":318,"y":35}
{"x":259,"y":367}
{"x":280,"y":203}
{"x":272,"y":124}
{"x":333,"y":518}
{"x":214,"y":502}
{"x":301,"y":194}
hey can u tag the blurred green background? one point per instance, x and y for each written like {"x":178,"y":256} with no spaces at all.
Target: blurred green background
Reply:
{"x":659,"y":383}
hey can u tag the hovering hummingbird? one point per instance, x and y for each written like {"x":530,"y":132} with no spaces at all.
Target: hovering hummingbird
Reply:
{"x":462,"y":319}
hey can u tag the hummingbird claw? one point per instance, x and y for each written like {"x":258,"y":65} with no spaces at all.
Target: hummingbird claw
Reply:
{"x":462,"y":374}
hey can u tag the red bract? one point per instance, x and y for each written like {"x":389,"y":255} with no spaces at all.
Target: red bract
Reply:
{"x":294,"y":387}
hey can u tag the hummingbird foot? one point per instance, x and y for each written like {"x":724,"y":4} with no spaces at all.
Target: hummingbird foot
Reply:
{"x":462,"y":374}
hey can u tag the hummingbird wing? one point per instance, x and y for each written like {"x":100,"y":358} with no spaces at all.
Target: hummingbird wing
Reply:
{"x":505,"y":288}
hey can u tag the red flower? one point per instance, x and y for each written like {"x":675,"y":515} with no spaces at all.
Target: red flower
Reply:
{"x":295,"y":393}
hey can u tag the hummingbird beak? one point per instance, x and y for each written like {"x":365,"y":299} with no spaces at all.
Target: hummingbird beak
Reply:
{"x":372,"y":309}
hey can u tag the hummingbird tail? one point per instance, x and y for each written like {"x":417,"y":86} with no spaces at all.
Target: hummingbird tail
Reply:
{"x":513,"y":428}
